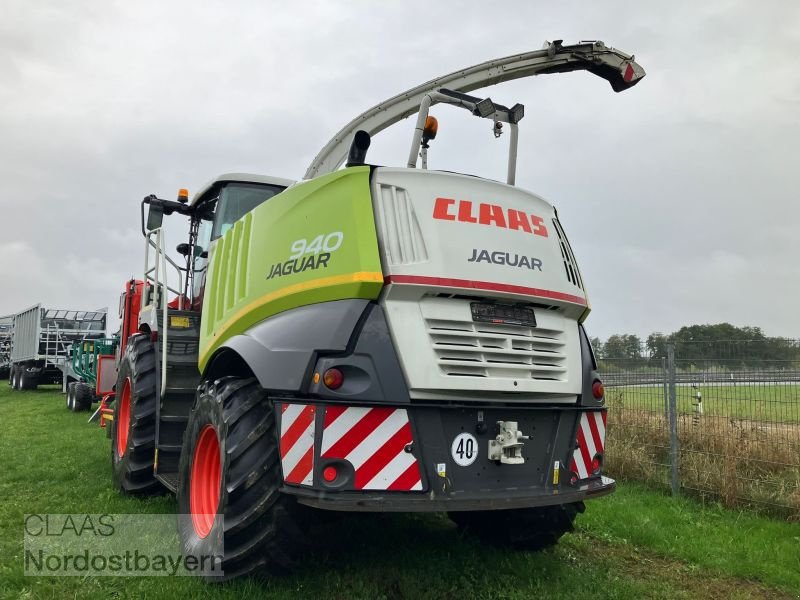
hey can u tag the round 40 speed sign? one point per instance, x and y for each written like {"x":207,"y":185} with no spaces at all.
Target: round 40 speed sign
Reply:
{"x":464,"y":449}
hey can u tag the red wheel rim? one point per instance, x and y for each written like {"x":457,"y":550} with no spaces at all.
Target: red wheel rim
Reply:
{"x":205,"y":481}
{"x":124,"y":418}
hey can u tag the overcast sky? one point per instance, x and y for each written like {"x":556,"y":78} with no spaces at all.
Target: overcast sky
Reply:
{"x":680,"y":196}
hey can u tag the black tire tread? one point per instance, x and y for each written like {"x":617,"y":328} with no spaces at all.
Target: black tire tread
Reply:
{"x":530,"y":529}
{"x":259,"y":522}
{"x":26,"y":381}
{"x":71,"y":394}
{"x":133,"y":473}
{"x":83,"y":397}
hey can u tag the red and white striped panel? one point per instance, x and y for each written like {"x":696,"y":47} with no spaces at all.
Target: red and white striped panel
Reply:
{"x":591,"y":440}
{"x":373,"y":440}
{"x":297,"y":443}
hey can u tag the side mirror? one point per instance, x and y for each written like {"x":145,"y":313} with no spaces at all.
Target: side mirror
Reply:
{"x":183,"y":249}
{"x":155,"y":216}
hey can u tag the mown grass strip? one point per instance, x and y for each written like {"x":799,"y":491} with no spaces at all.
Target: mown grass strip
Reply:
{"x":750,"y":401}
{"x":736,"y":544}
{"x":634,"y":544}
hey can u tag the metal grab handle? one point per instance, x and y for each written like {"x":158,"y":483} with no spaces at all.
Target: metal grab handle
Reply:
{"x":160,"y":289}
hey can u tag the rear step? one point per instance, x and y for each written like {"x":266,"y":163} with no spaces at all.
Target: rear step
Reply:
{"x":187,"y":391}
{"x":170,"y":480}
{"x":169,"y":456}
{"x":177,"y":397}
{"x":168,"y":448}
{"x":174,"y":418}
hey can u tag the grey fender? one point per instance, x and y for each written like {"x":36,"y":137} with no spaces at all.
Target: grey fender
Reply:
{"x":280,"y":351}
{"x":589,"y":368}
{"x":372,"y":372}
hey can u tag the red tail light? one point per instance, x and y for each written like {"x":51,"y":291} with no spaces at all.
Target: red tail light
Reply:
{"x":597,"y":462}
{"x":598,"y":391}
{"x":329,"y":474}
{"x":333,"y":379}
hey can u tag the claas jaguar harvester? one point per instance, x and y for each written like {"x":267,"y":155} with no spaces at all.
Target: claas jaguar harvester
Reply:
{"x":368,"y":339}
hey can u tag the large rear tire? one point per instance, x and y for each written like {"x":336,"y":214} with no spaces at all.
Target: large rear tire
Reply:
{"x":14,"y":381}
{"x":229,"y":480}
{"x":133,"y":430}
{"x":524,"y":528}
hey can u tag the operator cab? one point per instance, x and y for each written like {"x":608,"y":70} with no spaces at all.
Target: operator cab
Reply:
{"x":216,"y":207}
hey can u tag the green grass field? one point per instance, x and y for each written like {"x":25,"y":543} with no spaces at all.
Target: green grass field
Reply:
{"x":633,"y":544}
{"x":751,"y":401}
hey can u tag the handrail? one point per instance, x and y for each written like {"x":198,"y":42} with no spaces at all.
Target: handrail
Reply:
{"x":160,"y":288}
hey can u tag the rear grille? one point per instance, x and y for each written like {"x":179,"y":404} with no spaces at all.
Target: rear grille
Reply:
{"x":465,"y":348}
{"x":570,"y":264}
{"x":401,"y":233}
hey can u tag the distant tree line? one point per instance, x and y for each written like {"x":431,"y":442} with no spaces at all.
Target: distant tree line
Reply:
{"x":701,"y":345}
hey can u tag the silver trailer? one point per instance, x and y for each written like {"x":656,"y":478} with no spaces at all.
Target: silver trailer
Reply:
{"x":40,"y":342}
{"x":6,"y":325}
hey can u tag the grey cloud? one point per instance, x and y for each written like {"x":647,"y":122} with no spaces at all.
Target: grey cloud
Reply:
{"x":678,"y":196}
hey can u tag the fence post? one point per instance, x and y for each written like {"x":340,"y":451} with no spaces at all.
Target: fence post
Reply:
{"x":673,"y":419}
{"x":665,"y":387}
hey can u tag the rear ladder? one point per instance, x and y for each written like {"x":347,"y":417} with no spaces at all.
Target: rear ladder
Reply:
{"x":176,"y":349}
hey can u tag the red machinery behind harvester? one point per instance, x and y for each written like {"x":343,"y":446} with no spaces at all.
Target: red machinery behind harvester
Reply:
{"x":130,"y":303}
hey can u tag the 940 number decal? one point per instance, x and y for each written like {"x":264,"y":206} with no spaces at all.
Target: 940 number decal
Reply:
{"x":308,"y":255}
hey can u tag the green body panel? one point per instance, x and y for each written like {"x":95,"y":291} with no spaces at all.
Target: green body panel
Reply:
{"x":314,"y":242}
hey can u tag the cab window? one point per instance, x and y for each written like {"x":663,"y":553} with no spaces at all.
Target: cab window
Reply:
{"x":200,"y":260}
{"x":236,"y":200}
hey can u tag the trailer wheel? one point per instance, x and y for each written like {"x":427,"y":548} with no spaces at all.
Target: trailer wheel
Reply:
{"x":523,"y":528}
{"x":83,"y":396}
{"x":70,"y":396}
{"x":133,"y":430}
{"x":229,"y":479}
{"x":14,"y":381}
{"x":26,"y":381}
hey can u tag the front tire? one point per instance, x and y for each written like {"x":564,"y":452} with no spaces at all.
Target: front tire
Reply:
{"x":531,"y":529}
{"x":133,"y":430}
{"x":229,"y":483}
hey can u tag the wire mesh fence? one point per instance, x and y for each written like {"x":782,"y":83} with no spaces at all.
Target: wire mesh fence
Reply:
{"x":719,"y":420}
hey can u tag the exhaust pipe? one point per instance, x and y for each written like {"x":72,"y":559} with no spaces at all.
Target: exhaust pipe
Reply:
{"x":358,"y":148}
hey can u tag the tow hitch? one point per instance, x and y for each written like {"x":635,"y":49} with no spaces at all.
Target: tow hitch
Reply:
{"x":507,"y":447}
